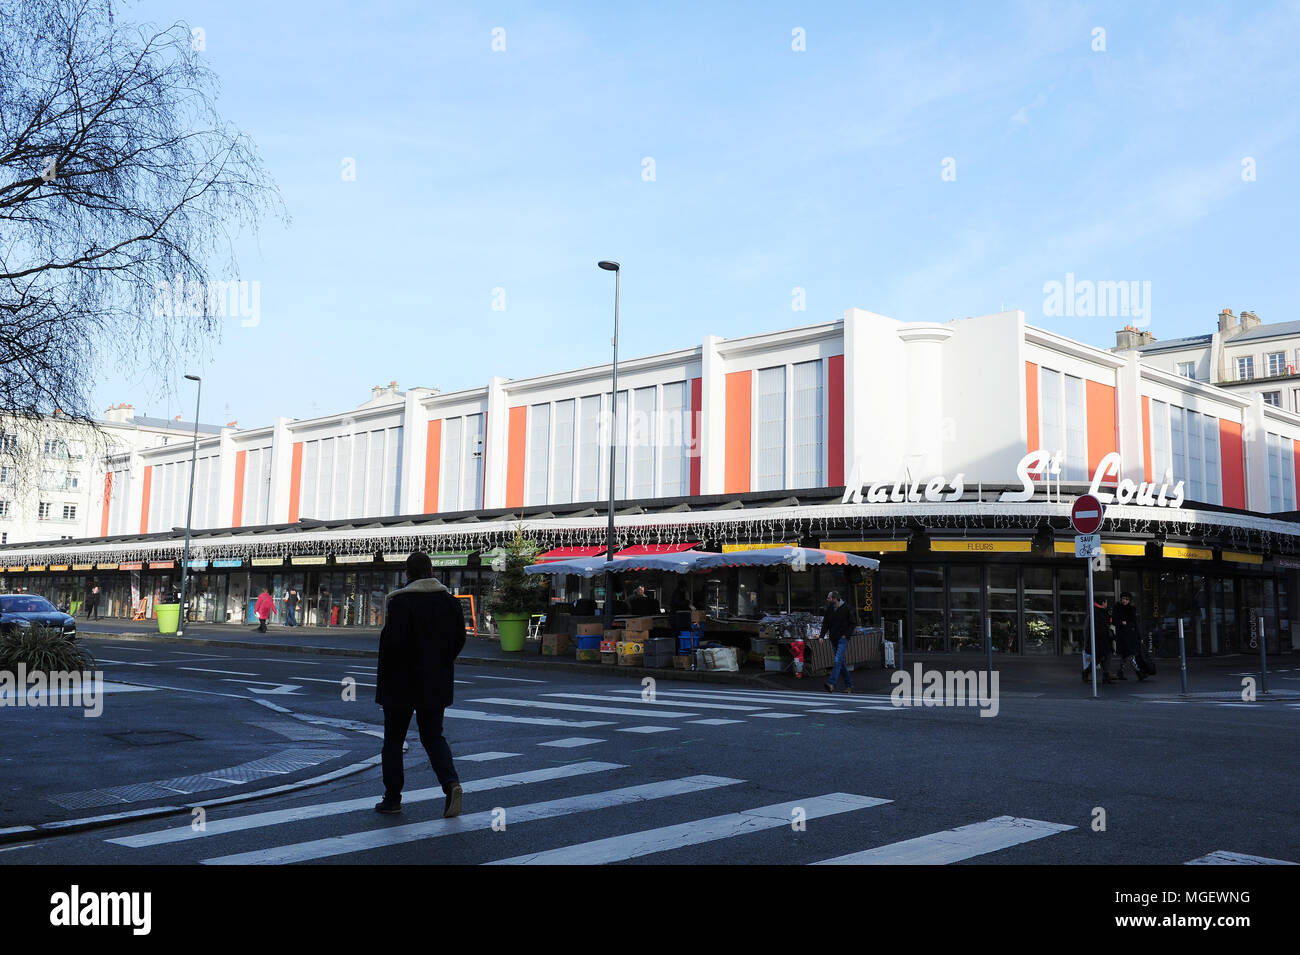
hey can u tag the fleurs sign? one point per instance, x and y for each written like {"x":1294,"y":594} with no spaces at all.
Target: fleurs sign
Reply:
{"x":1032,"y":468}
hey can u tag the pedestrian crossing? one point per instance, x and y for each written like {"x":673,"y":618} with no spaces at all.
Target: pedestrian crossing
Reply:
{"x":641,"y":710}
{"x":715,"y":815}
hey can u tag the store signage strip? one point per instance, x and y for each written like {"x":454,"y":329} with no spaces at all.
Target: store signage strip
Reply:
{"x":227,"y":562}
{"x":394,"y":558}
{"x":1109,"y":548}
{"x":56,"y":567}
{"x":1187,"y":553}
{"x":83,"y":566}
{"x":983,"y":546}
{"x":16,"y":570}
{"x":730,"y":548}
{"x":869,"y":547}
{"x":307,"y":560}
{"x":130,"y":566}
{"x":162,"y":564}
{"x":267,"y":561}
{"x":1240,"y":558}
{"x":354,"y":558}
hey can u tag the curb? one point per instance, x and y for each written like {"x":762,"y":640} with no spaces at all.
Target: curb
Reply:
{"x":66,"y":826}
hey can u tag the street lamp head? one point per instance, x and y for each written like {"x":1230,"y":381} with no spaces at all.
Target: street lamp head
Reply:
{"x":607,"y":265}
{"x":193,"y":377}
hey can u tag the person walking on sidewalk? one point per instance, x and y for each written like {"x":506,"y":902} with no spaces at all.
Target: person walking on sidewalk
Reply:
{"x":424,"y":632}
{"x":291,"y":608}
{"x":1101,"y":632}
{"x":1126,"y":637}
{"x":262,"y":609}
{"x":837,"y":623}
{"x":92,"y":602}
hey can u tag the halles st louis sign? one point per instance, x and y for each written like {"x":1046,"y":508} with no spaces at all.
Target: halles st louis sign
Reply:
{"x":1147,"y":494}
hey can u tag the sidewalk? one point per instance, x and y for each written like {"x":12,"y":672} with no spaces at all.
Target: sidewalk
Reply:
{"x":1058,"y":677}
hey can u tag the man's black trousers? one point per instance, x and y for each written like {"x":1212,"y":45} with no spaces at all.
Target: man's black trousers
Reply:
{"x":397,"y":720}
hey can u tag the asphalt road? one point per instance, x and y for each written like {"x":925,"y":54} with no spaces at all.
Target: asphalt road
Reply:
{"x":563,"y":767}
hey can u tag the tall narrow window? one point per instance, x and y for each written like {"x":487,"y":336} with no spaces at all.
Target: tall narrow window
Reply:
{"x":1050,"y":412}
{"x":342,"y":472}
{"x":1210,"y":430}
{"x":1177,"y":443}
{"x":771,"y":428}
{"x":1076,"y":435}
{"x":310,"y":463}
{"x":1160,"y":457}
{"x":473,"y":493}
{"x":562,"y":493}
{"x":589,"y":448}
{"x":357,"y":488}
{"x":449,"y":468}
{"x":375,"y":475}
{"x":1274,"y":473}
{"x":620,"y":447}
{"x":539,"y":452}
{"x":393,"y":472}
{"x":641,"y":430}
{"x":1195,"y":458}
{"x":674,"y":433}
{"x":808,"y":424}
{"x":325,"y":483}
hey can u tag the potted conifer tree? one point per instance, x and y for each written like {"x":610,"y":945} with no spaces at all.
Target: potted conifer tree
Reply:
{"x":515,"y":595}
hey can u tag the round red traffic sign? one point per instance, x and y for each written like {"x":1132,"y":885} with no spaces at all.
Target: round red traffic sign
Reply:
{"x":1086,"y":514}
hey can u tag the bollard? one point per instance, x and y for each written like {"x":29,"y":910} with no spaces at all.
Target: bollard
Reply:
{"x":1182,"y":655}
{"x":1263,"y":659}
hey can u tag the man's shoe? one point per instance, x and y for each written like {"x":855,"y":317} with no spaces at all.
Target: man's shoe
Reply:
{"x":452,"y":808}
{"x":389,"y":807}
{"x":829,"y":688}
{"x":848,"y":690}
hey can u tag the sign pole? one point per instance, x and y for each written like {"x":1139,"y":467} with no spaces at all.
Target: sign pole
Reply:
{"x":988,"y":645}
{"x":1182,"y":655}
{"x":1092,"y":629}
{"x":1263,"y":659}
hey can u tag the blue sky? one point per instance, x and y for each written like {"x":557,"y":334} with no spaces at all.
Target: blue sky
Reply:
{"x":773,"y":170}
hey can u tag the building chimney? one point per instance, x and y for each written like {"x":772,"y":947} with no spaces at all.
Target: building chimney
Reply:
{"x":1228,"y":324}
{"x":1129,"y":337}
{"x":1249,"y":320}
{"x":120,"y":414}
{"x":232,"y":424}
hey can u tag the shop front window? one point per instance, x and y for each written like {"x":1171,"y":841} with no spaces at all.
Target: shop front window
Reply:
{"x":1072,"y":596}
{"x":1040,"y":611}
{"x":893,"y":601}
{"x":1004,"y":607}
{"x":928,"y":613}
{"x":965,"y":619}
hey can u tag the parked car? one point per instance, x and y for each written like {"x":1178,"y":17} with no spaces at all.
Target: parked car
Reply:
{"x":23,"y":610}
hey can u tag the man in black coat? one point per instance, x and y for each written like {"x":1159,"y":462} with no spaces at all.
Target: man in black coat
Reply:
{"x":838,"y":625}
{"x":424,"y":631}
{"x":1126,"y":637}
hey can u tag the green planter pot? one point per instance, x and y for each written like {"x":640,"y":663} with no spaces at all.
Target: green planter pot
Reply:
{"x":513,"y":630}
{"x":169,"y":617}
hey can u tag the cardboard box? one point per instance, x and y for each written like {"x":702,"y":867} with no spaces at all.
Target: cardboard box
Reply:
{"x":608,"y":646}
{"x":588,"y":656}
{"x":609,"y":657}
{"x":684,"y":661}
{"x":631,"y":659}
{"x":639,"y":623}
{"x":631,"y":647}
{"x":699,"y":616}
{"x":555,"y":644}
{"x":589,"y":629}
{"x":637,"y":636}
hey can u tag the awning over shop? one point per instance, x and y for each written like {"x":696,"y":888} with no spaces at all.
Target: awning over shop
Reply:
{"x":642,"y":550}
{"x":569,"y":553}
{"x":796,"y":558}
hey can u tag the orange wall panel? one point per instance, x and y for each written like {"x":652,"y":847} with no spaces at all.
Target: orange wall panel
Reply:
{"x":739,"y":415}
{"x":835,"y":422}
{"x":237,"y":513}
{"x":1232,"y":464}
{"x":517,"y":443}
{"x":144,"y":499}
{"x":1146,"y":436}
{"x":108,"y":494}
{"x":1103,"y":433}
{"x":1031,"y":406}
{"x":295,"y":482}
{"x":432,"y":461}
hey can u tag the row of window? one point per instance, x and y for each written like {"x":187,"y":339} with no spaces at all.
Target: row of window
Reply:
{"x":1186,"y":443}
{"x":51,"y":447}
{"x":1281,"y":473}
{"x":350,"y":475}
{"x":44,"y":511}
{"x":1275,"y":363}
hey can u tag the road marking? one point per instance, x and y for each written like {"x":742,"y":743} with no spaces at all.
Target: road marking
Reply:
{"x":38,"y":698}
{"x":810,"y":700}
{"x":528,"y":812}
{"x":125,"y":663}
{"x":279,"y":817}
{"x":650,"y":841}
{"x":579,"y":708}
{"x":517,"y":679}
{"x":1223,"y":857}
{"x":832,"y":711}
{"x":457,"y":713}
{"x":206,"y":670}
{"x":114,"y":646}
{"x":338,"y":682}
{"x":777,"y":716}
{"x":484,"y":757}
{"x":659,"y":702}
{"x":649,"y":729}
{"x":571,"y":742}
{"x":814,"y":697}
{"x":955,"y":845}
{"x":714,"y":722}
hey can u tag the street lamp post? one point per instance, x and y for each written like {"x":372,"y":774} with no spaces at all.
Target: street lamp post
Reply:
{"x":189,"y":507}
{"x":613,"y":432}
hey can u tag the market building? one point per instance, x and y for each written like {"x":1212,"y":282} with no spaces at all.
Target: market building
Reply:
{"x":950,"y":451}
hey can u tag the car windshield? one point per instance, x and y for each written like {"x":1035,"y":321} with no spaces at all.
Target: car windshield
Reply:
{"x":24,"y":603}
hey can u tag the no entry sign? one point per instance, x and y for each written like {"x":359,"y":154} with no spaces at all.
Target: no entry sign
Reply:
{"x":1086,"y":514}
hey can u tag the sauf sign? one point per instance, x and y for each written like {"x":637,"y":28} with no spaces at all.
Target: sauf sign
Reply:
{"x":1033,"y":467}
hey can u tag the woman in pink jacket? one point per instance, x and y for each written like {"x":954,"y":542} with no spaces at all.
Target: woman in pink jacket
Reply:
{"x":263,"y":608}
